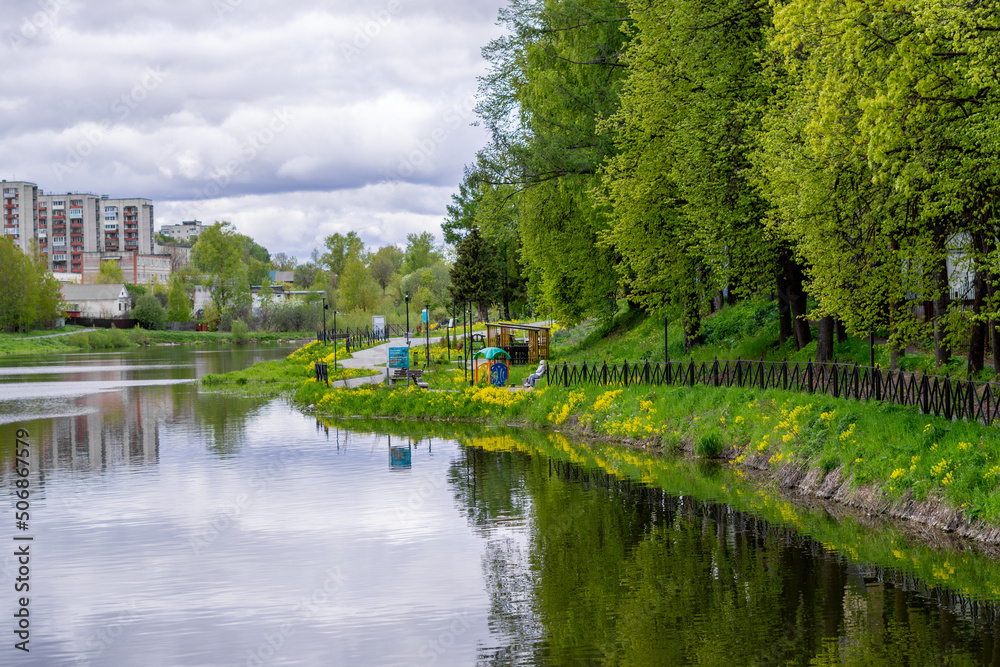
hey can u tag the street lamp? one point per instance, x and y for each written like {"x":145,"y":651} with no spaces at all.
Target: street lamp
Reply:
{"x":325,"y":306}
{"x":427,"y":333}
{"x":407,"y":300}
{"x":334,"y":341}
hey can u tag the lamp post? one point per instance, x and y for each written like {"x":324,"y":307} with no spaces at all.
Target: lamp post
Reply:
{"x":427,"y":333}
{"x":407,"y":300}
{"x":325,"y":306}
{"x":335,"y":341}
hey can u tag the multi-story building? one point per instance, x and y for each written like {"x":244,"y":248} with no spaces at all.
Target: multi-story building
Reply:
{"x":186,"y":232}
{"x":67,"y":228}
{"x":127,"y":225}
{"x":20,"y":218}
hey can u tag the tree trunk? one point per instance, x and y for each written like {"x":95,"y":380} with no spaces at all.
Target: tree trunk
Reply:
{"x":977,"y":335}
{"x":797,"y":303}
{"x":897,"y":314}
{"x":824,"y":339}
{"x":692,"y":318}
{"x":942,"y":299}
{"x":784,"y":311}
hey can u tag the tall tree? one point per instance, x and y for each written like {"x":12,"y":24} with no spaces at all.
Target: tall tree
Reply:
{"x":552,"y":77}
{"x":339,"y":249}
{"x":473,"y":275}
{"x":420,"y":252}
{"x":219,"y":254}
{"x":387,"y":262}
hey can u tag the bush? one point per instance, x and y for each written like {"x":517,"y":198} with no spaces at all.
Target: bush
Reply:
{"x":239,"y":333}
{"x":709,"y":445}
{"x":148,"y":312}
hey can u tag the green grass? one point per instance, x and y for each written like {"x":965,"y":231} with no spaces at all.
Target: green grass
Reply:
{"x":748,"y":330}
{"x":278,"y":377}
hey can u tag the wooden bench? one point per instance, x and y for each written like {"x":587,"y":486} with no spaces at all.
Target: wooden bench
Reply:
{"x":414,"y":374}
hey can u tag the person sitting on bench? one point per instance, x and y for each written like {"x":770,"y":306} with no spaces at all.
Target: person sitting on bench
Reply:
{"x":534,"y":377}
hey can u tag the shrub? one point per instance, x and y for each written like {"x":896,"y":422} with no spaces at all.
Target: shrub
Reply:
{"x":148,"y":312}
{"x":709,"y":445}
{"x":239,"y":333}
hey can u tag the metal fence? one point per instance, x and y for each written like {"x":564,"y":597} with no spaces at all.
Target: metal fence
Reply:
{"x":952,"y":399}
{"x":363,"y":336}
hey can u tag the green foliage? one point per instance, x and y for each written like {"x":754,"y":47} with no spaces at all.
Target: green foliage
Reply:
{"x":340,"y":249}
{"x":709,"y":445}
{"x":109,"y":273}
{"x":29,"y":295}
{"x":420,"y":253}
{"x":148,"y":312}
{"x":219,"y":254}
{"x":239,"y":332}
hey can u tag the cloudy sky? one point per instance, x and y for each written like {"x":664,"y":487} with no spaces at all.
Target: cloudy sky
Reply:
{"x":293,"y":119}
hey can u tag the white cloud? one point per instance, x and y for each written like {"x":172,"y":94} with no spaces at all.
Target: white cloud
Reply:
{"x":292,"y":119}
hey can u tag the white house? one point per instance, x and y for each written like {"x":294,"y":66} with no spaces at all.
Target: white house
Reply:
{"x":105,"y":301}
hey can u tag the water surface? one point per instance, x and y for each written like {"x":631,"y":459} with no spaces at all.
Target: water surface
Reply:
{"x":179,"y":527}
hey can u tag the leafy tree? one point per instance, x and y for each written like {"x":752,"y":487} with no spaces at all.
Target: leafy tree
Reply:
{"x":179,"y":302}
{"x":339,"y":249}
{"x":428,"y":285}
{"x":358,"y":289}
{"x":29,"y":294}
{"x":148,"y":312}
{"x":420,"y":252}
{"x":386,"y":263}
{"x":552,"y":77}
{"x":109,"y":273}
{"x":219,"y":254}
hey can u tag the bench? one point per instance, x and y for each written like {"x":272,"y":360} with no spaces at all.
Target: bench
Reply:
{"x":415,"y":374}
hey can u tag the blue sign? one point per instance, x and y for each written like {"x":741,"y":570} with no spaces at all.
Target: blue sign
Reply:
{"x":399,"y":357}
{"x":498,"y":374}
{"x":424,"y":315}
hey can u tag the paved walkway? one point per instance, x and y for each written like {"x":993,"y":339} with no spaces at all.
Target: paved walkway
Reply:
{"x":65,"y":333}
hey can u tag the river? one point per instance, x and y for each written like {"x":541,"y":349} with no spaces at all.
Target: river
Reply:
{"x":170,"y":526}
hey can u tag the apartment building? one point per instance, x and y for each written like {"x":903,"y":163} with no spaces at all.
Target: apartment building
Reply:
{"x":20,"y":212}
{"x":186,"y":232}
{"x":67,"y":228}
{"x":127,"y":225}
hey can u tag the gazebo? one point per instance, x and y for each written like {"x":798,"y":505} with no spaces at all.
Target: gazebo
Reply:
{"x":525,"y":343}
{"x":495,"y":361}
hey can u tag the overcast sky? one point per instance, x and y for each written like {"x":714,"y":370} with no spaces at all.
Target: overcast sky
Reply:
{"x":293,"y":119}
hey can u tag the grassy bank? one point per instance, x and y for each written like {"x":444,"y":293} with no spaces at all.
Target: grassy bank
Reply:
{"x":905,"y":454}
{"x":274,"y":378}
{"x":81,"y":339}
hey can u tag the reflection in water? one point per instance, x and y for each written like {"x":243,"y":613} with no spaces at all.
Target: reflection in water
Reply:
{"x":613,"y":572}
{"x":212,"y":530}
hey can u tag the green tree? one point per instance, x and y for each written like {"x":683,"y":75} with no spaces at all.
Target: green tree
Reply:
{"x":148,"y":312}
{"x":420,"y":252}
{"x":219,"y":254}
{"x":554,"y":74}
{"x":358,"y":290}
{"x":386,"y":263}
{"x":339,"y":249}
{"x":179,"y":302}
{"x":473,"y":275}
{"x":29,"y":294}
{"x":109,"y":273}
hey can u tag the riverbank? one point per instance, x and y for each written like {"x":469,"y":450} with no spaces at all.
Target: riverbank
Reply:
{"x":74,"y":341}
{"x":880,"y":458}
